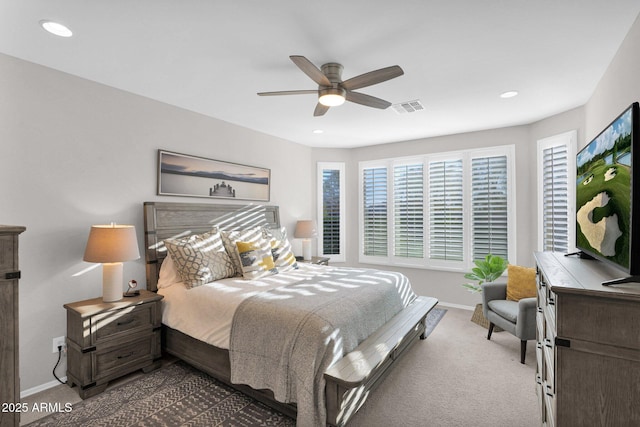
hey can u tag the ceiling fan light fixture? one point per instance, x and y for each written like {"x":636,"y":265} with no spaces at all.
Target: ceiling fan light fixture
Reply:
{"x":332,"y":97}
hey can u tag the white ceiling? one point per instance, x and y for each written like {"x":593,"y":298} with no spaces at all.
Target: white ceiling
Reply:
{"x":213,"y":56}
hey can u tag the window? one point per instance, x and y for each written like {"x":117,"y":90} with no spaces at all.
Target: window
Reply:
{"x":331,"y":233}
{"x":446,"y":220}
{"x":489,"y":207}
{"x":438,"y":211}
{"x":556,"y":192}
{"x":374,"y":211}
{"x":408,"y":211}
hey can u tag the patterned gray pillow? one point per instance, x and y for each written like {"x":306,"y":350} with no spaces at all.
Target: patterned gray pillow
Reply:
{"x":200,"y":258}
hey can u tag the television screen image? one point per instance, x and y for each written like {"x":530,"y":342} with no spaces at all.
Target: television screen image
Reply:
{"x":604,"y":192}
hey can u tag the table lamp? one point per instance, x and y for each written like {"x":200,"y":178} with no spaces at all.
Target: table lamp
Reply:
{"x":305,"y":230}
{"x":110,"y":245}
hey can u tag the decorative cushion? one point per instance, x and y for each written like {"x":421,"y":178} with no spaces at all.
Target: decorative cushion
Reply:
{"x":505,"y":309}
{"x":256,"y":259}
{"x":229,"y":238}
{"x":521,"y":282}
{"x":281,"y":250}
{"x":168,"y":273}
{"x":200,"y":258}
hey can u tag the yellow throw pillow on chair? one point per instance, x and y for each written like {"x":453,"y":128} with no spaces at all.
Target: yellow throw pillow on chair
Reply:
{"x":521,"y":282}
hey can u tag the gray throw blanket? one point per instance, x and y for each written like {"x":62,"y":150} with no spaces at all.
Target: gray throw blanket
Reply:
{"x":286,"y":338}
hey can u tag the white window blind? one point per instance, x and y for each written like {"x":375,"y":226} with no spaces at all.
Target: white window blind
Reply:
{"x":374,"y":190}
{"x":555,"y":199}
{"x":408,"y":210}
{"x":556,"y":192}
{"x":440,"y":210}
{"x":331,"y":211}
{"x":489,"y":197}
{"x":446,"y":222}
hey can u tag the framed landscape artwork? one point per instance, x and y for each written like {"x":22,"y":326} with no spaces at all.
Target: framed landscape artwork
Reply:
{"x":193,"y":176}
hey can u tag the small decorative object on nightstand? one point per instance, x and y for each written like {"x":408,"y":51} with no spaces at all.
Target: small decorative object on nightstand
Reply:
{"x":315,"y":260}
{"x":106,"y":340}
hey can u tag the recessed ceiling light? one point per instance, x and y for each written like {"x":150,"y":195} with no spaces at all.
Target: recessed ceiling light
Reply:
{"x":509,"y":94}
{"x":56,"y":28}
{"x":318,"y":131}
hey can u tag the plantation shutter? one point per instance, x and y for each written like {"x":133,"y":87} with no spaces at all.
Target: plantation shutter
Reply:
{"x":375,"y":211}
{"x":489,"y":206}
{"x":408,"y":208}
{"x":446,"y":222}
{"x":331,"y":212}
{"x":555,"y":198}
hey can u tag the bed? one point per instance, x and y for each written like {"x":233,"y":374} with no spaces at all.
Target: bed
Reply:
{"x":347,"y":379}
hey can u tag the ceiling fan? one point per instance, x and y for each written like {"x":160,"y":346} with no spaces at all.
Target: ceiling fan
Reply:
{"x":332,"y":91}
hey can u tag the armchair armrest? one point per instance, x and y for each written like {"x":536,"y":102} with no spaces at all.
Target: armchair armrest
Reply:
{"x":492,"y":291}
{"x":526,"y":324}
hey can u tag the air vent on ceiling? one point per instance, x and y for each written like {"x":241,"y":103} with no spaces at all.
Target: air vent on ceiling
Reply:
{"x":408,"y":107}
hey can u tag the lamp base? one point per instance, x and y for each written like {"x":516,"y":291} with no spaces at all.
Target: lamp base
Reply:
{"x":306,"y":249}
{"x":111,"y":281}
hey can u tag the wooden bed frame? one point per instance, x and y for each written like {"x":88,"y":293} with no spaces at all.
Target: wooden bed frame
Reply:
{"x":348,"y":381}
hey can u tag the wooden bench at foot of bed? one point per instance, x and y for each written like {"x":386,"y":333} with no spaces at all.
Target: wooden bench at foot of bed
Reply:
{"x":349,"y":380}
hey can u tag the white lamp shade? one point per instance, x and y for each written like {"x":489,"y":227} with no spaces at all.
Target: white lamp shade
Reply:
{"x":112,"y":243}
{"x":305,"y":229}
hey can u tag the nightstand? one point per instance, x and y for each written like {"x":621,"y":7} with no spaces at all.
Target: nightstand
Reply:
{"x":316,"y":260}
{"x":106,"y":340}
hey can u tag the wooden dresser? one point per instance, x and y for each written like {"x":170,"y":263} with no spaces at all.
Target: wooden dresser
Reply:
{"x":106,"y":340}
{"x":9,"y":338}
{"x":588,"y":344}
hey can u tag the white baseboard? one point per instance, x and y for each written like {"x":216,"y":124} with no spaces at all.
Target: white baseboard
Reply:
{"x":41,"y":387}
{"x":460,"y":306}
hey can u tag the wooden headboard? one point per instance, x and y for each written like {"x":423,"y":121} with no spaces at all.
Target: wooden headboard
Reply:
{"x":165,"y":220}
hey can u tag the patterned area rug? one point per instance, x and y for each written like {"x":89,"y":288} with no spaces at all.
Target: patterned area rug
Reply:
{"x":177,"y":395}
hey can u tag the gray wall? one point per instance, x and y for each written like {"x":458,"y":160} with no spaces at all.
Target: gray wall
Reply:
{"x":76,"y":153}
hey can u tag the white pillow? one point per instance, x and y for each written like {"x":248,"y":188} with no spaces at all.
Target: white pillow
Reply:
{"x":168,"y":273}
{"x":282,"y":253}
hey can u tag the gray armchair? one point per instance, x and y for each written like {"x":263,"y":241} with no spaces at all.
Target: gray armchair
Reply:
{"x":515,"y":317}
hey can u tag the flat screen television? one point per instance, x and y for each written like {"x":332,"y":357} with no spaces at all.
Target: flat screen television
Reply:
{"x":608,"y":196}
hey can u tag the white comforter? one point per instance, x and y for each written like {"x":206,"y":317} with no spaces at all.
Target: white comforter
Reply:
{"x":206,"y":312}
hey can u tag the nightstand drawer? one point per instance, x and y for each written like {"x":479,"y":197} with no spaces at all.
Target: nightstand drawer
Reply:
{"x":115,"y":360}
{"x":113,"y":323}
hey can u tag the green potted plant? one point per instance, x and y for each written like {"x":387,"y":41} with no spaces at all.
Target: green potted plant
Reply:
{"x":486,"y":270}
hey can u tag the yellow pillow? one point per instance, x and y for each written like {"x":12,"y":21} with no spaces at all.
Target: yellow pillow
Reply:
{"x":521,"y":282}
{"x":256,"y":259}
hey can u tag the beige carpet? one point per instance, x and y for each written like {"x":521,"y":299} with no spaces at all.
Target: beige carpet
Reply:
{"x":454,"y":378}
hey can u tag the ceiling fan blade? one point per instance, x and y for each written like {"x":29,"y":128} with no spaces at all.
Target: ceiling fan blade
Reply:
{"x":320,"y":110}
{"x":310,"y":70}
{"x":372,"y":77}
{"x":289,"y":92}
{"x":368,"y":100}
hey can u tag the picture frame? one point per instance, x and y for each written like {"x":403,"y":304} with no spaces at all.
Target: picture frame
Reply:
{"x":194,"y":176}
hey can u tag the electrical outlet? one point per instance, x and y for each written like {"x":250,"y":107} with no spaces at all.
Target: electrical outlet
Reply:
{"x":60,"y":341}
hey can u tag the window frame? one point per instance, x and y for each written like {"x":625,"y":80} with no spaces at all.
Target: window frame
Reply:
{"x":467,"y":245}
{"x":340,"y":167}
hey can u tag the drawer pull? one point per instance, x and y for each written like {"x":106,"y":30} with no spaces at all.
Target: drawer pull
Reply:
{"x":126,"y":355}
{"x":126,"y":322}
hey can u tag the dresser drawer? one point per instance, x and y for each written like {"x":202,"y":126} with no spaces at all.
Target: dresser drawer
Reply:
{"x":584,"y":315}
{"x":124,"y":321}
{"x":113,"y":361}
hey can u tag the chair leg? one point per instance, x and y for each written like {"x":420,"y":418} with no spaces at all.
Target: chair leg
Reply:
{"x":491,"y":325}
{"x":523,"y":350}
